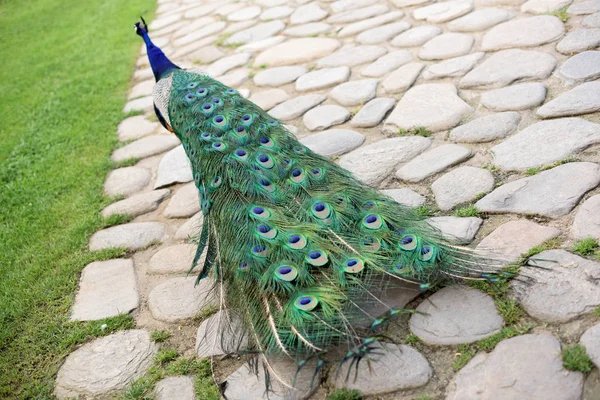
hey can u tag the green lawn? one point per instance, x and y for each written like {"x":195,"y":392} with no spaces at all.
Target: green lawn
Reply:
{"x":65,"y":70}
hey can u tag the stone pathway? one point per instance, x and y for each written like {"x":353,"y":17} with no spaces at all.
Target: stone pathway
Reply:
{"x":439,"y":104}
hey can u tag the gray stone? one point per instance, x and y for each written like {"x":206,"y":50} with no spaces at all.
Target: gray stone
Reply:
{"x":174,"y":167}
{"x":351,"y":56}
{"x":551,"y":193}
{"x":487,"y":128}
{"x":521,"y":96}
{"x":563,"y":289}
{"x":480,"y":20}
{"x":278,"y":76}
{"x":344,"y":5}
{"x":200,"y":11}
{"x":582,"y":99}
{"x":457,"y":230}
{"x":176,"y":259}
{"x":408,"y":3}
{"x":592,"y":21}
{"x":225,"y":64}
{"x":358,"y":14}
{"x":333,"y":142}
{"x":307,"y":13}
{"x":432,"y":162}
{"x":360,"y":26}
{"x":322,"y":78}
{"x":592,"y":385}
{"x":322,"y":117}
{"x":373,"y":163}
{"x":142,"y":89}
{"x":508,"y":66}
{"x":195,"y":36}
{"x":142,"y":74}
{"x":402,"y":78}
{"x":244,"y":14}
{"x":446,"y":45}
{"x":525,"y":32}
{"x":137,"y":205}
{"x":591,"y":341}
{"x":398,"y":367}
{"x":545,"y":142}
{"x":269,"y":98}
{"x":125,"y":181}
{"x":184,"y":203}
{"x":296,"y":51}
{"x":132,"y":236}
{"x":387,"y":63}
{"x":416,"y":36}
{"x":141,"y":104}
{"x":235,"y":78}
{"x":584,"y":7}
{"x":461,"y":185}
{"x":296,"y":107}
{"x":587,"y":220}
{"x":501,"y":2}
{"x":443,"y":12}
{"x":457,"y":66}
{"x":456,"y":315}
{"x":220,"y":334}
{"x":189,"y":28}
{"x":206,"y":55}
{"x":579,"y":40}
{"x":145,"y":147}
{"x":582,"y":67}
{"x":372,"y":113}
{"x":354,"y":93}
{"x":532,"y":359}
{"x":544,"y":6}
{"x":135,"y":128}
{"x":191,"y":228}
{"x":258,"y":32}
{"x":310,"y":29}
{"x":175,"y":387}
{"x":405,"y":196}
{"x":261,"y":45}
{"x":105,"y":365}
{"x":436,"y":107}
{"x":107,"y":288}
{"x":276,"y":13}
{"x":162,"y":22}
{"x":178,"y":299}
{"x":382,"y":33}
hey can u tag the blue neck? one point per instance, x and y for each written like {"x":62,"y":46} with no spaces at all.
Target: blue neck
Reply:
{"x":158,"y":61}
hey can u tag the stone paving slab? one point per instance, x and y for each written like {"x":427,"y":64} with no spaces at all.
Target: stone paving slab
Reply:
{"x":178,"y":299}
{"x":132,"y":236}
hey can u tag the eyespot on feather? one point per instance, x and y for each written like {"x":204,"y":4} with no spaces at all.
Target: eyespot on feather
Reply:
{"x":306,"y":303}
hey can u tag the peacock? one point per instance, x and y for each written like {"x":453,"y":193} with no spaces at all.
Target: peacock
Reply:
{"x":297,"y":246}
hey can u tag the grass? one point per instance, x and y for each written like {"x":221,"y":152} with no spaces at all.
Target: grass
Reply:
{"x":416,"y":131}
{"x":345,"y":394}
{"x":537,"y":170}
{"x":63,"y":88}
{"x":467,"y":211}
{"x":160,"y":336}
{"x":425,"y":211}
{"x":561,"y":14}
{"x":412,"y":340}
{"x":126,"y":163}
{"x":586,"y":247}
{"x":575,"y":358}
{"x":205,"y":313}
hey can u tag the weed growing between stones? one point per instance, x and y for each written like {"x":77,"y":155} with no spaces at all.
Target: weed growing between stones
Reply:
{"x":537,"y":170}
{"x":424,"y":212}
{"x":467,"y":211}
{"x":412,"y":340}
{"x":160,"y":336}
{"x":126,"y":163}
{"x":206,"y":313}
{"x":417,"y":131}
{"x":561,"y":14}
{"x":575,"y":358}
{"x":586,"y":247}
{"x":345,"y":394}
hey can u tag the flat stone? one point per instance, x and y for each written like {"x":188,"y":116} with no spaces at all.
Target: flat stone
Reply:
{"x":344,"y":5}
{"x":276,"y":13}
{"x":592,"y":21}
{"x":545,"y":142}
{"x":436,"y":107}
{"x":581,"y":68}
{"x":544,"y":6}
{"x":296,"y":107}
{"x":351,"y":56}
{"x":447,"y":45}
{"x":137,"y":205}
{"x":235,"y":78}
{"x":382,"y":33}
{"x":508,"y":66}
{"x":402,"y":78}
{"x":322,"y":78}
{"x":333,"y":142}
{"x":372,"y":113}
{"x":387,"y":63}
{"x":141,"y":104}
{"x":206,"y":55}
{"x":461,"y":185}
{"x":406,"y":197}
{"x":184,"y":203}
{"x":480,"y":20}
{"x":261,"y":45}
{"x":456,"y":315}
{"x":551,"y":193}
{"x":177,"y":299}
{"x":269,"y":98}
{"x":310,"y":29}
{"x":455,"y":229}
{"x":416,"y":36}
{"x":584,"y":7}
{"x":408,"y":3}
{"x":278,"y":76}
{"x":236,"y":27}
{"x":105,"y":365}
{"x":532,"y":359}
{"x":125,"y":181}
{"x":457,"y":66}
{"x":142,"y":89}
{"x":174,"y":167}
{"x":356,"y":27}
{"x":195,"y":36}
{"x":244,"y":14}
{"x":432,"y":162}
{"x":228,"y":63}
{"x":524,"y":32}
{"x":307,"y":13}
{"x":591,"y":341}
{"x":373,"y":163}
{"x":185,"y":51}
{"x":135,"y":128}
{"x":132,"y":236}
{"x":188,"y":28}
{"x":200,"y":11}
{"x":443,"y":12}
{"x":487,"y":128}
{"x":220,"y":334}
{"x":399,"y":367}
{"x":270,"y":3}
{"x":176,"y":259}
{"x":501,"y":2}
{"x":191,"y":228}
{"x":563,"y":289}
{"x":587,"y":220}
{"x":258,"y":32}
{"x":322,"y":117}
{"x":296,"y":51}
{"x":107,"y":288}
{"x":579,"y":40}
{"x":354,"y":93}
{"x":521,"y":96}
{"x":142,"y":74}
{"x":175,"y":387}
{"x":145,"y":147}
{"x":358,"y":14}
{"x":162,"y":22}
{"x":582,"y":99}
